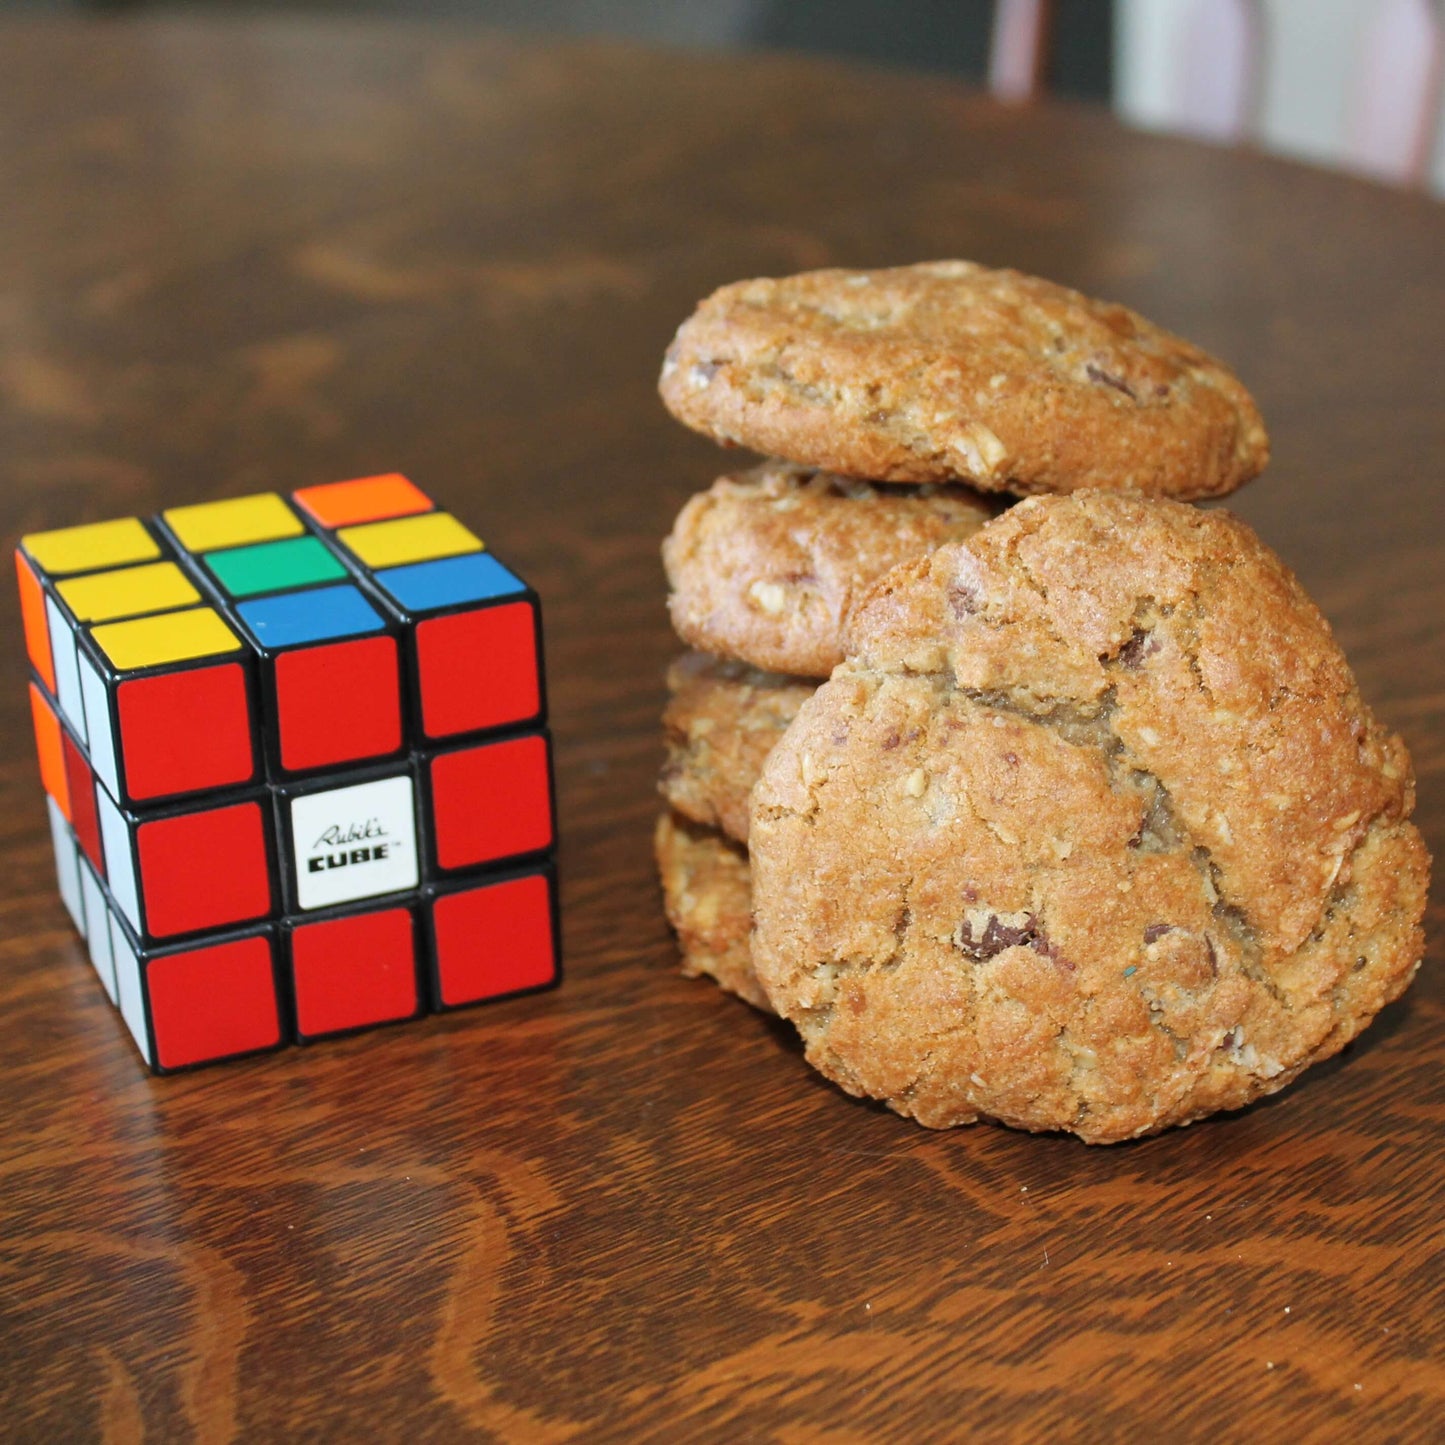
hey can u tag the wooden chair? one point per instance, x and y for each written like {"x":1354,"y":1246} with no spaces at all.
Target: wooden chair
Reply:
{"x":1217,"y":83}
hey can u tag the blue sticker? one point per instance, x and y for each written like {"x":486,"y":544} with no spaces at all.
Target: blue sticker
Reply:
{"x":427,"y":586}
{"x":315,"y":616}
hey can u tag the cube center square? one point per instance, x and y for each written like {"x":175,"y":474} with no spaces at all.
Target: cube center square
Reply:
{"x":297,"y":774}
{"x":354,"y":842}
{"x":274,"y":566}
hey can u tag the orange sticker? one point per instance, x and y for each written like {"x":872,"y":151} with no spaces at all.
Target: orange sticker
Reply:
{"x":48,"y":749}
{"x":366,"y":499}
{"x":37,"y":630}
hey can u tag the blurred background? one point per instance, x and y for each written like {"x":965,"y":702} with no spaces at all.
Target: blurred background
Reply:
{"x":1348,"y":83}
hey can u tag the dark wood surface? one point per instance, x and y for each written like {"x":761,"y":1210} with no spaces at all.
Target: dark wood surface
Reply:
{"x":255,"y":256}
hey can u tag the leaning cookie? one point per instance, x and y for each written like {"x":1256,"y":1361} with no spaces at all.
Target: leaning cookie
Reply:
{"x":706,"y":894}
{"x":765,"y":565}
{"x":722,"y":720}
{"x":1093,"y":832}
{"x":948,"y":371}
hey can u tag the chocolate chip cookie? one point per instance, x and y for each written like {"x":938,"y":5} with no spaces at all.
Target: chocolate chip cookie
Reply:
{"x":722,"y":720}
{"x":765,"y":564}
{"x":1092,"y":832}
{"x":948,"y":371}
{"x":706,"y":894}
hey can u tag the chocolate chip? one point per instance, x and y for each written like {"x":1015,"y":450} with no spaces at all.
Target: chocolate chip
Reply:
{"x":1141,"y":645}
{"x":891,"y":742}
{"x":998,"y":935}
{"x":1107,"y":378}
{"x":1156,"y":931}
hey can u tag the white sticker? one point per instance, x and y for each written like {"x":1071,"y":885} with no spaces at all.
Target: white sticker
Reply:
{"x":67,"y":668}
{"x":354,"y":842}
{"x":97,"y":930}
{"x":67,"y":865}
{"x":97,"y":726}
{"x":130,"y":989}
{"x":119,"y":859}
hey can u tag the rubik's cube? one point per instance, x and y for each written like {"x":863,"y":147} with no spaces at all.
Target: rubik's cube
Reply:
{"x":296,"y":763}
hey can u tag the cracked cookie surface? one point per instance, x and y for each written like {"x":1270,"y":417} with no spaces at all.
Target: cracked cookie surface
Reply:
{"x":765,"y":565}
{"x":1093,"y":831}
{"x":722,"y":720}
{"x":949,"y":371}
{"x":708,"y":900}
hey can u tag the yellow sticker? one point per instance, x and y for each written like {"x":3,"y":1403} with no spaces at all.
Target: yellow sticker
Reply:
{"x":171,"y":637}
{"x":410,"y":539}
{"x":209,"y":526}
{"x":91,"y":547}
{"x":131,"y":592}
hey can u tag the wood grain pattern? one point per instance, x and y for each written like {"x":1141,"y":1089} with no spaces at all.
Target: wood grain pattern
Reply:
{"x":265,"y":254}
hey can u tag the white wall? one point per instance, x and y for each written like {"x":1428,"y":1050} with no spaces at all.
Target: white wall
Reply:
{"x":1308,"y":72}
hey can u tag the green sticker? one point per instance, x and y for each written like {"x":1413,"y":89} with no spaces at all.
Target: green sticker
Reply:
{"x":274,"y":566}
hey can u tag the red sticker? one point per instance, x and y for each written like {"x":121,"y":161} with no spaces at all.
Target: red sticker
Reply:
{"x":339,"y":703}
{"x":350,"y":972}
{"x":204,"y":870}
{"x":492,"y":801}
{"x":495,"y":940}
{"x":184,"y":731}
{"x":478,"y":669}
{"x":210,"y":1003}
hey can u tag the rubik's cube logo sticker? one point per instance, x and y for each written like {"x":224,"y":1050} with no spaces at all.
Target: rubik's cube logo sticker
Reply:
{"x":296,"y":763}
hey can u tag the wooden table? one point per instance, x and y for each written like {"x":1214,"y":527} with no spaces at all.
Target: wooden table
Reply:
{"x":255,"y":256}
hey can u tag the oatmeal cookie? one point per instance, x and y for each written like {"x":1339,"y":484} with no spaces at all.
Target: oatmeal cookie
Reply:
{"x":948,"y":371}
{"x":765,"y":564}
{"x":1092,"y":832}
{"x":707,"y":897}
{"x":721,"y":722}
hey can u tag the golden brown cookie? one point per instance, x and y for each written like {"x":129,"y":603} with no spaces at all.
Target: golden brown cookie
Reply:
{"x":1092,"y":832}
{"x":707,"y":897}
{"x":948,"y":371}
{"x":765,"y":564}
{"x":722,"y":720}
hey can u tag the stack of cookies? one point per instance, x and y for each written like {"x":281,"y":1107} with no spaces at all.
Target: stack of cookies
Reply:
{"x":1068,"y":815}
